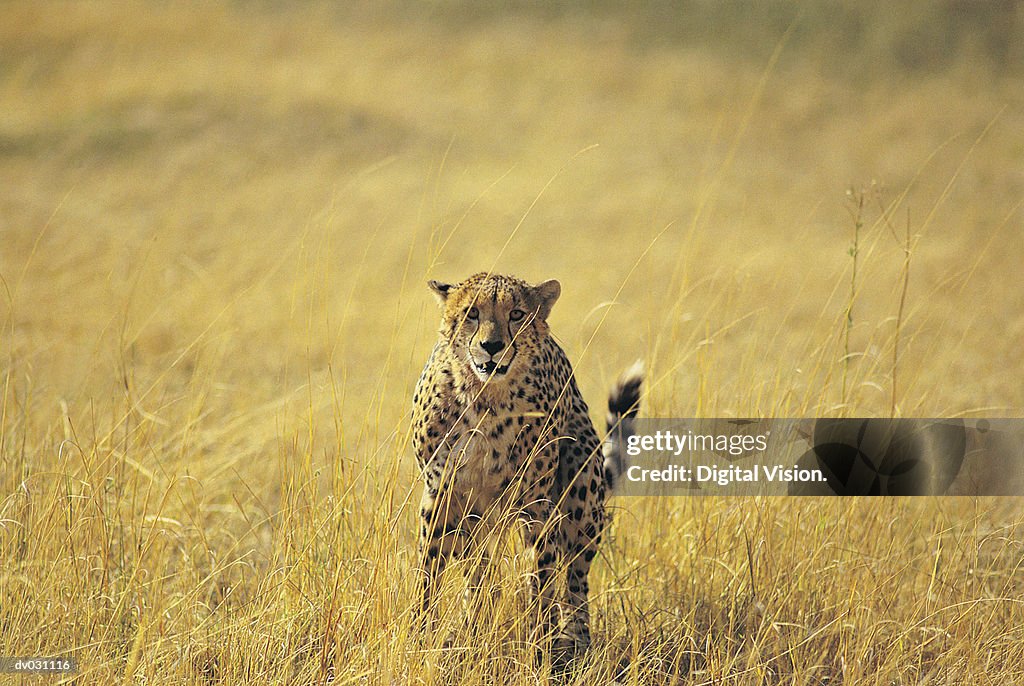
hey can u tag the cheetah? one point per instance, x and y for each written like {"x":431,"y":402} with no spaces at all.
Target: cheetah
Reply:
{"x":499,"y":425}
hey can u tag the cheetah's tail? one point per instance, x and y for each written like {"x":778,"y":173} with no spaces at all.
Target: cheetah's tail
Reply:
{"x":623,"y":402}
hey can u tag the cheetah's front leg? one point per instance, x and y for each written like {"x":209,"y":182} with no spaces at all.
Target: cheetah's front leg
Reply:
{"x":545,"y":541}
{"x":434,"y":551}
{"x":449,"y":532}
{"x":445,"y":533}
{"x":582,"y":542}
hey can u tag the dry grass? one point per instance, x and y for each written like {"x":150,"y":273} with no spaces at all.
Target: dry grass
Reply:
{"x":215,"y":227}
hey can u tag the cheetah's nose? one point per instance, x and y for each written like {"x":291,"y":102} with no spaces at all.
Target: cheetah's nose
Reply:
{"x":492,"y":347}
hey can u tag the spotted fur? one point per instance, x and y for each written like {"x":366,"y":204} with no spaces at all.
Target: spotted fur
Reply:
{"x":500,"y":428}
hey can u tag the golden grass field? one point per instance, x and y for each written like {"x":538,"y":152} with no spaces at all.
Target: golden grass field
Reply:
{"x":216,"y":224}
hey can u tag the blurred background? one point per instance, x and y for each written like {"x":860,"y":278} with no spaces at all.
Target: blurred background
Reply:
{"x":282,"y":177}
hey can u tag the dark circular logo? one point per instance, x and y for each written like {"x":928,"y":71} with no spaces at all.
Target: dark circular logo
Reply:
{"x":884,"y":456}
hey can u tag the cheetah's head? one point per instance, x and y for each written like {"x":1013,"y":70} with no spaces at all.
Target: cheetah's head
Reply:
{"x":495,"y":324}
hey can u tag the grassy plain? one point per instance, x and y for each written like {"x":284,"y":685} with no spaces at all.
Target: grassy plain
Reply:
{"x":215,"y":227}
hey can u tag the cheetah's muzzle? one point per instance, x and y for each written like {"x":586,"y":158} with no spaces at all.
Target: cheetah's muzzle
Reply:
{"x":488,"y":368}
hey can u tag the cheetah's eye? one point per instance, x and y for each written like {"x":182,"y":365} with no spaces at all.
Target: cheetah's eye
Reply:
{"x":473,"y":313}
{"x":516,"y":315}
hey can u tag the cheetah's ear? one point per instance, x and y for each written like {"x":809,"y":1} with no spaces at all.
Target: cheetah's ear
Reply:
{"x":546,"y":293}
{"x":440,"y":290}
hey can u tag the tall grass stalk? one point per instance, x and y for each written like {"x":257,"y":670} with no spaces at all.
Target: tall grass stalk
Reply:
{"x":904,"y":287}
{"x":857,"y":199}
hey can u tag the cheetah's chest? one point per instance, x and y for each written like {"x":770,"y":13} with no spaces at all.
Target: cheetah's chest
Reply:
{"x":490,"y":452}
